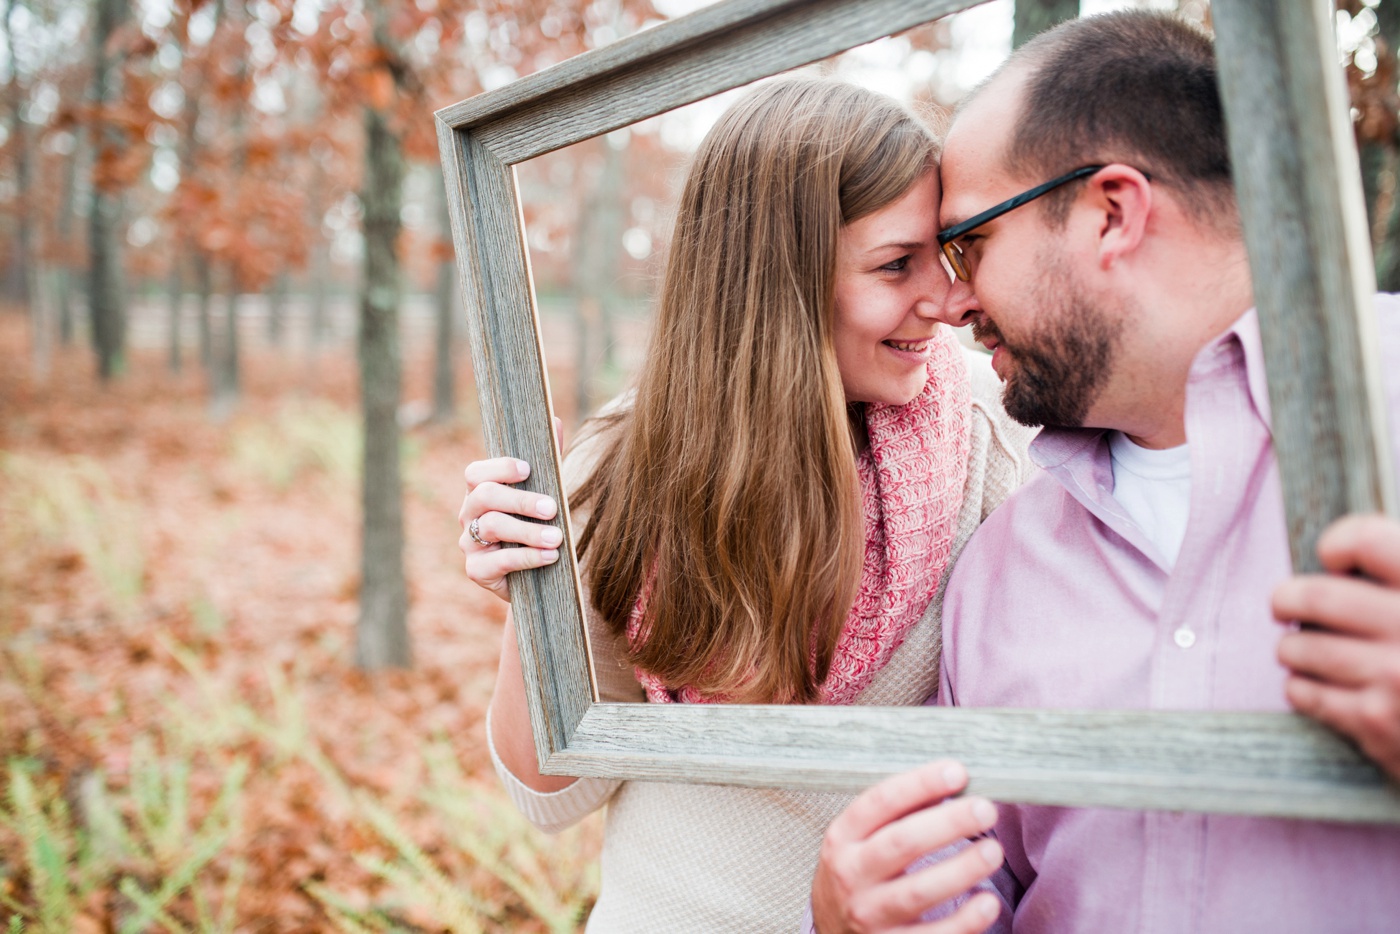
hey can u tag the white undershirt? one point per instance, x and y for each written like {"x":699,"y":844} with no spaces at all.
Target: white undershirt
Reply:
{"x":1154,"y":488}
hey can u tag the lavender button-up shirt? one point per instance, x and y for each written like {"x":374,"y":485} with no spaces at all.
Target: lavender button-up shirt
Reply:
{"x":1061,"y":601}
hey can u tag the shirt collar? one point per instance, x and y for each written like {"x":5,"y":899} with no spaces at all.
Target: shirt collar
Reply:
{"x":1239,"y":347}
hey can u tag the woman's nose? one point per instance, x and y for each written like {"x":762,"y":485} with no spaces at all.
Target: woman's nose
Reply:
{"x":932,"y":292}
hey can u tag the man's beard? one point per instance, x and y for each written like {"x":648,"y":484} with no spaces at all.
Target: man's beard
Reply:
{"x":1058,"y":370}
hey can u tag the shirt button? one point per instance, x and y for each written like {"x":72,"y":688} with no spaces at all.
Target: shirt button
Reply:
{"x":1184,"y":637}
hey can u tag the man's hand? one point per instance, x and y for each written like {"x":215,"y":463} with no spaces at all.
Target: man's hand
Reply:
{"x":861,"y":886}
{"x":1345,"y":667}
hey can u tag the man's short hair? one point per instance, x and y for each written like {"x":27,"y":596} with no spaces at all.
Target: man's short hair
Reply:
{"x":1134,"y":87}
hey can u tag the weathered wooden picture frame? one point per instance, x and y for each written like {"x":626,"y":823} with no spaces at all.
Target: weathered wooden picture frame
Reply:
{"x":1300,"y":195}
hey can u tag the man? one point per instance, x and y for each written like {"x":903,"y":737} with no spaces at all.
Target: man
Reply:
{"x":1136,"y":570}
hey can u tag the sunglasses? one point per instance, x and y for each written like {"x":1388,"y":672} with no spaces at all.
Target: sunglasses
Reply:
{"x":948,"y":239}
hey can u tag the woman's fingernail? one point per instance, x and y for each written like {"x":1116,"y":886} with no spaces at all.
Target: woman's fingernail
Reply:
{"x":984,"y":812}
{"x":523,"y":467}
{"x":990,"y":851}
{"x":546,"y":508}
{"x":549,"y":557}
{"x":954,"y":774}
{"x":552,"y":536}
{"x":988,"y":908}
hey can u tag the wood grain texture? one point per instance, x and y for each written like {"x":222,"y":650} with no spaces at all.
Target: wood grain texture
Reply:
{"x":1276,"y":765}
{"x":1304,"y":217}
{"x":508,"y":364}
{"x":630,"y":51}
{"x":1289,"y":139}
{"x":694,"y":57}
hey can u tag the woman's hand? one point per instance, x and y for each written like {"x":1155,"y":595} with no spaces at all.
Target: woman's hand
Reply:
{"x":861,"y":885}
{"x":491,"y":508}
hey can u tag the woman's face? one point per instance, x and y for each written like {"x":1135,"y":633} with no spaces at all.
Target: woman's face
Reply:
{"x":890,"y":282}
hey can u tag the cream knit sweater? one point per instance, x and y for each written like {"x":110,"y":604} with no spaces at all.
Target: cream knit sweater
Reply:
{"x":709,"y":859}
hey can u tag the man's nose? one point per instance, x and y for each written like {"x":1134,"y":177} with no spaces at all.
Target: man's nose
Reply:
{"x":959,"y":305}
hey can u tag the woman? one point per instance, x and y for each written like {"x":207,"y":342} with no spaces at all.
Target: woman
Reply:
{"x":771,"y":514}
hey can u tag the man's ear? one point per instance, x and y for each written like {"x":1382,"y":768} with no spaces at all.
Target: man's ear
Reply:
{"x":1122,"y":199}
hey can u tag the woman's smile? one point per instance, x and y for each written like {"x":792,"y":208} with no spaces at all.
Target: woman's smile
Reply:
{"x":906,"y":346}
{"x":890,"y":284}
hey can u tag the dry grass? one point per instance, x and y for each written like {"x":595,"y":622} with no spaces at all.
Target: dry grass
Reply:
{"x":183,"y":743}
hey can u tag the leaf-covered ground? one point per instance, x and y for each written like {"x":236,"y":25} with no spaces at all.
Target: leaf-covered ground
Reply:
{"x":184,"y":742}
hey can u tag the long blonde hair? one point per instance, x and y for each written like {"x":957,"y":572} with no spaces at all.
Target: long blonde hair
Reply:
{"x":729,"y":487}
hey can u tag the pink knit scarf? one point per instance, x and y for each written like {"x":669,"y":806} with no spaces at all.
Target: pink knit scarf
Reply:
{"x":911,"y":482}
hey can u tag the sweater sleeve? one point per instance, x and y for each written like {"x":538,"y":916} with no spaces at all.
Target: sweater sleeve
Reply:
{"x":555,"y":811}
{"x":560,"y":810}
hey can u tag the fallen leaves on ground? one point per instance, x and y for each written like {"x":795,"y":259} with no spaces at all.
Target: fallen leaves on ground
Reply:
{"x":177,"y":607}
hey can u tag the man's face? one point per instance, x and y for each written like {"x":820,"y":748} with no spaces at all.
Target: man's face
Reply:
{"x":1053,"y":341}
{"x":1057,"y":368}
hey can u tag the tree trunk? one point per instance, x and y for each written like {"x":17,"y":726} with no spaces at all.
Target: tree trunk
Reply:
{"x":444,"y":384}
{"x":40,"y":327}
{"x":1376,"y":161}
{"x":277,"y":308}
{"x":610,"y":222}
{"x":225,"y":382}
{"x":595,"y":273}
{"x":381,"y":638}
{"x":1387,"y":232}
{"x":37,"y":296}
{"x":17,"y":278}
{"x":1036,"y":16}
{"x":16,"y":282}
{"x":64,"y":300}
{"x":106,"y":305}
{"x":319,"y":272}
{"x":31,"y":279}
{"x":1388,"y":251}
{"x":66,"y":316}
{"x":179,"y":247}
{"x":320,"y":262}
{"x":106,"y":314}
{"x":177,"y":298}
{"x":204,"y":287}
{"x":586,"y":320}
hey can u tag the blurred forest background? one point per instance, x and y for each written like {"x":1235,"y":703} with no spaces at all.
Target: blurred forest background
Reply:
{"x":234,"y":407}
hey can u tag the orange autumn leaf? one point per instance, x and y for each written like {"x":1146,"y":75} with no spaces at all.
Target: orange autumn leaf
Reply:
{"x":379,"y":88}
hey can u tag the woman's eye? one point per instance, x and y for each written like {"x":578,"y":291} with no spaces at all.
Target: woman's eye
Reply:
{"x":896,"y":265}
